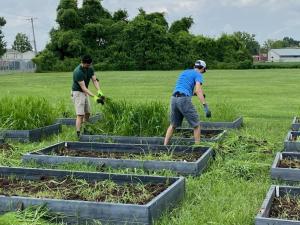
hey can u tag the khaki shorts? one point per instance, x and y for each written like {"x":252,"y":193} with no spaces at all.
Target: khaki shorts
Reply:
{"x":81,"y":103}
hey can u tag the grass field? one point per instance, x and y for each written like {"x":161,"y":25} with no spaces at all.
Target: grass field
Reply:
{"x":231,"y":191}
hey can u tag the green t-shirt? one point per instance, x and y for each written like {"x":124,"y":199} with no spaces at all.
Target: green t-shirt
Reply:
{"x":82,"y":74}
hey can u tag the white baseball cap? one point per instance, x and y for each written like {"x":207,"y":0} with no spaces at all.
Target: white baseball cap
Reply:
{"x":200,"y":63}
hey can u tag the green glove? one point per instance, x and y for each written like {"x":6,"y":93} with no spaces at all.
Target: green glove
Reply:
{"x":95,"y":98}
{"x":100,"y":93}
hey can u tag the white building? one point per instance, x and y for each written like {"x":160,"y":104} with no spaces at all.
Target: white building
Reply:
{"x":13,"y":60}
{"x":284,"y":55}
{"x":11,"y":54}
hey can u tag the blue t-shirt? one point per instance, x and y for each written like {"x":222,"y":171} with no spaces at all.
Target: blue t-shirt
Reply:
{"x":187,"y":81}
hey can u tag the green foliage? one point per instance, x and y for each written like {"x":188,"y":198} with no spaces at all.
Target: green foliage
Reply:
{"x":129,"y":119}
{"x":183,"y":24}
{"x":249,"y":42}
{"x":22,"y":43}
{"x":276,"y":65}
{"x":142,"y":43}
{"x":2,"y":43}
{"x":222,"y":111}
{"x":25,"y":113}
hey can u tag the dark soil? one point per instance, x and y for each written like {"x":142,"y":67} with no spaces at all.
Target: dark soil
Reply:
{"x":286,"y":207}
{"x":190,"y":134}
{"x":294,"y":137}
{"x":289,"y":163}
{"x":189,"y":157}
{"x":69,"y":188}
{"x":6,"y":147}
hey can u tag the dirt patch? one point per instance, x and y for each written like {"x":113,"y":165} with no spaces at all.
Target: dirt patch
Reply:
{"x":286,"y":207}
{"x":4,"y":147}
{"x":182,"y":156}
{"x":190,"y":134}
{"x":69,"y":188}
{"x":289,"y":163}
{"x":294,"y":137}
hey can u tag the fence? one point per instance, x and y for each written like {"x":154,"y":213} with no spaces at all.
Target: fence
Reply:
{"x":16,"y":65}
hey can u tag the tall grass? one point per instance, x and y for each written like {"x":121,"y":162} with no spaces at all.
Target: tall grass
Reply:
{"x":24,"y":113}
{"x":132,"y":119}
{"x":221,"y":111}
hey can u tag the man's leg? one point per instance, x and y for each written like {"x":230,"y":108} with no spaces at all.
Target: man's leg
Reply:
{"x":197,"y":133}
{"x":79,"y":120}
{"x":169,"y":134}
{"x":86,"y":117}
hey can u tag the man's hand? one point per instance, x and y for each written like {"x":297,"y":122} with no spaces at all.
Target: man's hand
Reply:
{"x":207,"y":111}
{"x":100,"y":99}
{"x":100,"y":93}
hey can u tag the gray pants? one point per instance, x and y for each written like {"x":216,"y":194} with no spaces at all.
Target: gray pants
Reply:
{"x":182,"y":107}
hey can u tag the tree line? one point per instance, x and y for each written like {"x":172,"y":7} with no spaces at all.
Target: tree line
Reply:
{"x":146,"y":42}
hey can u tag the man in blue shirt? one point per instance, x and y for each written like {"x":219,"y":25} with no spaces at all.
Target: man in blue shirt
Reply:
{"x":188,"y":83}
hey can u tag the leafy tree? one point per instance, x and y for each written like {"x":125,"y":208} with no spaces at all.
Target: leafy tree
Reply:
{"x":249,"y":42}
{"x":120,"y":15}
{"x":2,"y":43}
{"x":182,"y":25}
{"x":92,"y":11}
{"x":22,"y":43}
{"x":67,"y":14}
{"x":290,"y":42}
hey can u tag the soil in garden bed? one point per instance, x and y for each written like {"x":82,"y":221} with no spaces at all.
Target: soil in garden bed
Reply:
{"x":174,"y":156}
{"x":69,"y":188}
{"x":289,"y":163}
{"x":286,"y":207}
{"x":189,"y":134}
{"x":6,"y":147}
{"x":294,"y":137}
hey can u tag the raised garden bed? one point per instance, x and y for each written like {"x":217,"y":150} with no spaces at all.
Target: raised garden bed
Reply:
{"x":292,"y":142}
{"x":296,"y":124}
{"x":280,"y":207}
{"x":77,"y":209}
{"x":237,"y":123}
{"x":286,"y":166}
{"x":31,"y":135}
{"x":206,"y":136}
{"x":72,"y":121}
{"x":185,"y":160}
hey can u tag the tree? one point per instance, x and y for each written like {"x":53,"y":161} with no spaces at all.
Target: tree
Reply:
{"x":22,"y":43}
{"x":249,"y":42}
{"x":92,"y":11}
{"x":120,"y":15}
{"x":67,"y":15}
{"x":2,"y":43}
{"x":181,"y":25}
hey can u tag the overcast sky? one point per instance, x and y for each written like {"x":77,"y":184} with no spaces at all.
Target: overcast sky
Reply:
{"x":267,"y":19}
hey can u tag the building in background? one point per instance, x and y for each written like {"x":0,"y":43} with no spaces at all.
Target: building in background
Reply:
{"x":284,"y":55}
{"x":13,"y":60}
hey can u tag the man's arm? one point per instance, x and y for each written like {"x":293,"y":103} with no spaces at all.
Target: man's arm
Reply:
{"x":200,"y":95}
{"x":84,"y":89}
{"x":96,"y":82}
{"x":199,"y":92}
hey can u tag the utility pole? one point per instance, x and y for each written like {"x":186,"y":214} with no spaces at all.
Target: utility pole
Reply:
{"x":34,"y":42}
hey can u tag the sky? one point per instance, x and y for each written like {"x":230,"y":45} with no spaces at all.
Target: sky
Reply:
{"x":267,"y":19}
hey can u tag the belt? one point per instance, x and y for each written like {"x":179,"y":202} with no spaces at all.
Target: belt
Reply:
{"x":178,"y":94}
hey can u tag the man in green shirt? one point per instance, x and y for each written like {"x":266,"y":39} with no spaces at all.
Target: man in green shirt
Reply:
{"x":82,"y":75}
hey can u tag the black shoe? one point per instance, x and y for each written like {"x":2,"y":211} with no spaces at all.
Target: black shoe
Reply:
{"x":78,"y":134}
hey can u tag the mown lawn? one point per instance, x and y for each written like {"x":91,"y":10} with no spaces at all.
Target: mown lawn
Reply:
{"x":231,"y":191}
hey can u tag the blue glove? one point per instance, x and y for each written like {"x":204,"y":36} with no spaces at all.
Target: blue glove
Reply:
{"x":207,"y":111}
